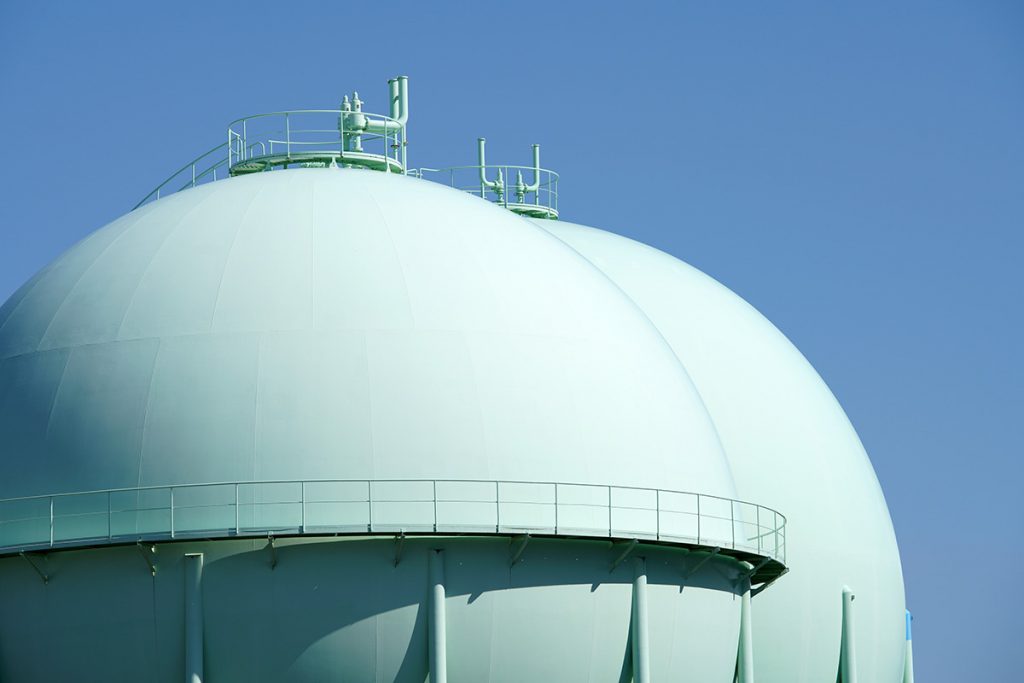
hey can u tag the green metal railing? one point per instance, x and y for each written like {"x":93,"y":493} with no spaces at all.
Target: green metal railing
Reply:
{"x":204,"y":168}
{"x":319,"y":507}
{"x":508,"y":188}
{"x":316,"y":137}
{"x":303,"y":137}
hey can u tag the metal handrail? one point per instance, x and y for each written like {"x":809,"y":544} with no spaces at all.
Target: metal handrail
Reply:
{"x":388,"y":142}
{"x":541,"y":202}
{"x":345,"y":136}
{"x":191,"y":166}
{"x":121,"y":515}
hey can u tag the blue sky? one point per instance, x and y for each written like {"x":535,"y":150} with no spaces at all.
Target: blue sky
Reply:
{"x":856,"y":172}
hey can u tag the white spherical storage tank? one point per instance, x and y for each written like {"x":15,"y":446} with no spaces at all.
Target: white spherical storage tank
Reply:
{"x":306,"y":414}
{"x":314,"y":381}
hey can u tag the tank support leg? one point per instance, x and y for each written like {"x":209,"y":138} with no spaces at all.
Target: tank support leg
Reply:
{"x":194,"y":618}
{"x":640,"y":638}
{"x":745,"y":659}
{"x":438,"y":646}
{"x":847,"y":652}
{"x":908,"y":663}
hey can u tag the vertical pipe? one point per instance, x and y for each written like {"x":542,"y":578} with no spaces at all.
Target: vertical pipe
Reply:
{"x":438,"y":646}
{"x":847,"y":651}
{"x":482,"y":163}
{"x":51,"y":521}
{"x":908,"y":663}
{"x":193,"y":618}
{"x":745,"y":658}
{"x":640,"y":638}
{"x":403,"y":98}
{"x":535,"y":185}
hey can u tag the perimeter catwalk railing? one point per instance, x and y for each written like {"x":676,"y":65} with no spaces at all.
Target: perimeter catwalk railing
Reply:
{"x":359,"y":507}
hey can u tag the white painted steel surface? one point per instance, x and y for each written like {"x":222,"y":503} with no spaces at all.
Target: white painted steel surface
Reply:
{"x":790,"y":446}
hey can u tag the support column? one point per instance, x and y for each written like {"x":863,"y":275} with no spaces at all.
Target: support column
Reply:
{"x":847,"y":652}
{"x":745,"y":658}
{"x":436,"y":629}
{"x":194,"y":618}
{"x":641,"y":641}
{"x":908,"y":662}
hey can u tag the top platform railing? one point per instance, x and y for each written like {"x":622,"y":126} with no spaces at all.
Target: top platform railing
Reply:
{"x":300,"y":138}
{"x":508,"y":188}
{"x":359,"y":507}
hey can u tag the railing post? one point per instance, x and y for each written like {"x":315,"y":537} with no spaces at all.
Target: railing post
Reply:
{"x":497,"y":509}
{"x":698,"y":520}
{"x":556,"y":508}
{"x":237,"y":527}
{"x":302,"y":507}
{"x":732,"y":521}
{"x":657,"y":514}
{"x":775,"y":532}
{"x":759,"y":530}
{"x":172,"y":512}
{"x":288,"y":136}
{"x":434,"y":482}
{"x":609,"y":510}
{"x":110,"y":524}
{"x":369,"y":504}
{"x":51,"y":521}
{"x":405,"y":157}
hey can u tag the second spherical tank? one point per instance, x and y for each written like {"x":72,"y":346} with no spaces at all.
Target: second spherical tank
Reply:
{"x":789,"y":444}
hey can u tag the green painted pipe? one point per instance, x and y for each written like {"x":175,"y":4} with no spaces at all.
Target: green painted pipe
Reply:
{"x":908,"y":662}
{"x":641,"y":638}
{"x":437,"y":635}
{"x":497,"y":186}
{"x":194,"y":618}
{"x":847,"y":652}
{"x":745,"y":658}
{"x":398,"y":108}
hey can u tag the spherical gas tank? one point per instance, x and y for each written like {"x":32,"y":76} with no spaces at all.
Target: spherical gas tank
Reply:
{"x":226,"y":354}
{"x":326,"y":323}
{"x":790,"y":445}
